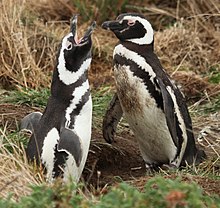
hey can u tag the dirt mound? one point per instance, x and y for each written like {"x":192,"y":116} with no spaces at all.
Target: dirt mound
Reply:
{"x":110,"y":163}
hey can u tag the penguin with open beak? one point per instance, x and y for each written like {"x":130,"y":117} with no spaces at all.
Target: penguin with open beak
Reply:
{"x":61,"y":135}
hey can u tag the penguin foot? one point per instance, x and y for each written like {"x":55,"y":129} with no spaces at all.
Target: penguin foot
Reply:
{"x":168,"y":166}
{"x":152,"y":167}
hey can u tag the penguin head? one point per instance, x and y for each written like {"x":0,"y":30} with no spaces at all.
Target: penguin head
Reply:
{"x":74,"y":50}
{"x":131,"y":27}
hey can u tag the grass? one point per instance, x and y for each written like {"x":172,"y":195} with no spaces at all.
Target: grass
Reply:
{"x":99,"y":10}
{"x":158,"y":192}
{"x":16,"y":173}
{"x":31,"y":97}
{"x":214,"y":76}
{"x":212,"y":106}
{"x":38,"y":98}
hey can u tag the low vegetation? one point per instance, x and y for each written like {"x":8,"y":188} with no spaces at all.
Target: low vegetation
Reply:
{"x":158,"y":192}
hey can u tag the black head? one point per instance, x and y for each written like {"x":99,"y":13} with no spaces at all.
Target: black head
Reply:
{"x":74,"y":51}
{"x":131,"y":27}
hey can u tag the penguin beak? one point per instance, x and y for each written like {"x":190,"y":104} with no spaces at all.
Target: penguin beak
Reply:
{"x":87,"y":35}
{"x":111,"y":25}
{"x":73,"y":28}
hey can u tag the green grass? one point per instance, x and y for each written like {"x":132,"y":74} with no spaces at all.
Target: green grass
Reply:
{"x":38,"y":98}
{"x":214,"y":75}
{"x":11,"y":138}
{"x":31,"y":97}
{"x":101,"y":99}
{"x":158,"y":192}
{"x":210,"y":106}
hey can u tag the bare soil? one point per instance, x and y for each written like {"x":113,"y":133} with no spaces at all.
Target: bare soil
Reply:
{"x":109,"y":164}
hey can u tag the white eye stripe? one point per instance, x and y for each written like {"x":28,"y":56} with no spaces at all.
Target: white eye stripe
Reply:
{"x":149,"y":36}
{"x":69,"y":45}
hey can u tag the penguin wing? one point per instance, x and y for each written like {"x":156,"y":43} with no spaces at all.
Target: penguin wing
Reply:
{"x":111,"y":119}
{"x":70,"y":142}
{"x":29,"y":122}
{"x":169,"y":111}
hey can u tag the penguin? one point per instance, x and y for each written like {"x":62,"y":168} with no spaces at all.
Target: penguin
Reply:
{"x":61,"y":134}
{"x":152,"y":104}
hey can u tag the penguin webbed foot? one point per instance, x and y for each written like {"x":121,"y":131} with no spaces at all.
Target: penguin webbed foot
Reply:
{"x":168,"y":167}
{"x":154,"y":167}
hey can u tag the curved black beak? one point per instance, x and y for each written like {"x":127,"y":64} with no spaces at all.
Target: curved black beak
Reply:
{"x":88,"y":33}
{"x":90,"y":30}
{"x":111,"y":25}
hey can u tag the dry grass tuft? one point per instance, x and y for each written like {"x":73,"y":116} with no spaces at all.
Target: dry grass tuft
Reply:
{"x":16,"y":174}
{"x":183,"y":47}
{"x":195,"y":87}
{"x":53,"y":10}
{"x":193,"y":41}
{"x":18,"y":64}
{"x":208,"y":131}
{"x":28,"y":46}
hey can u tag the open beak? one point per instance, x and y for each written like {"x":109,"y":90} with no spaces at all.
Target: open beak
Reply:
{"x":87,"y":35}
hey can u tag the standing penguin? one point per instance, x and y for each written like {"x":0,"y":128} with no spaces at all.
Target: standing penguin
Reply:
{"x":61,"y":135}
{"x":153,"y":106}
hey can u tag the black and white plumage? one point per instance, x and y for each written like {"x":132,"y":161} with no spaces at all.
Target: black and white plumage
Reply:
{"x":152,"y":105}
{"x":61,"y":135}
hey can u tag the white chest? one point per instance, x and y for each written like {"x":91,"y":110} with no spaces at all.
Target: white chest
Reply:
{"x":147,"y":121}
{"x":82,"y":128}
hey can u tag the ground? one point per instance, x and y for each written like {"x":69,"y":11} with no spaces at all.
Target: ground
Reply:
{"x":108,"y":164}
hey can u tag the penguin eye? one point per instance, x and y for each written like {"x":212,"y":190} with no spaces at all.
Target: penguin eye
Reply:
{"x":131,"y":22}
{"x":69,"y":45}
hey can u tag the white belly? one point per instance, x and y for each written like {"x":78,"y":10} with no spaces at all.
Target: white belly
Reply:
{"x":82,"y":127}
{"x":146,"y":120}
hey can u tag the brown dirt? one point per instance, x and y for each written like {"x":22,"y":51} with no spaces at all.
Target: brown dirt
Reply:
{"x":108,"y":164}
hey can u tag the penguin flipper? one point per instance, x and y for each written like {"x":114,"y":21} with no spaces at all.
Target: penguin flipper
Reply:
{"x":169,"y":111}
{"x":111,"y":119}
{"x":29,"y":122}
{"x":70,"y":142}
